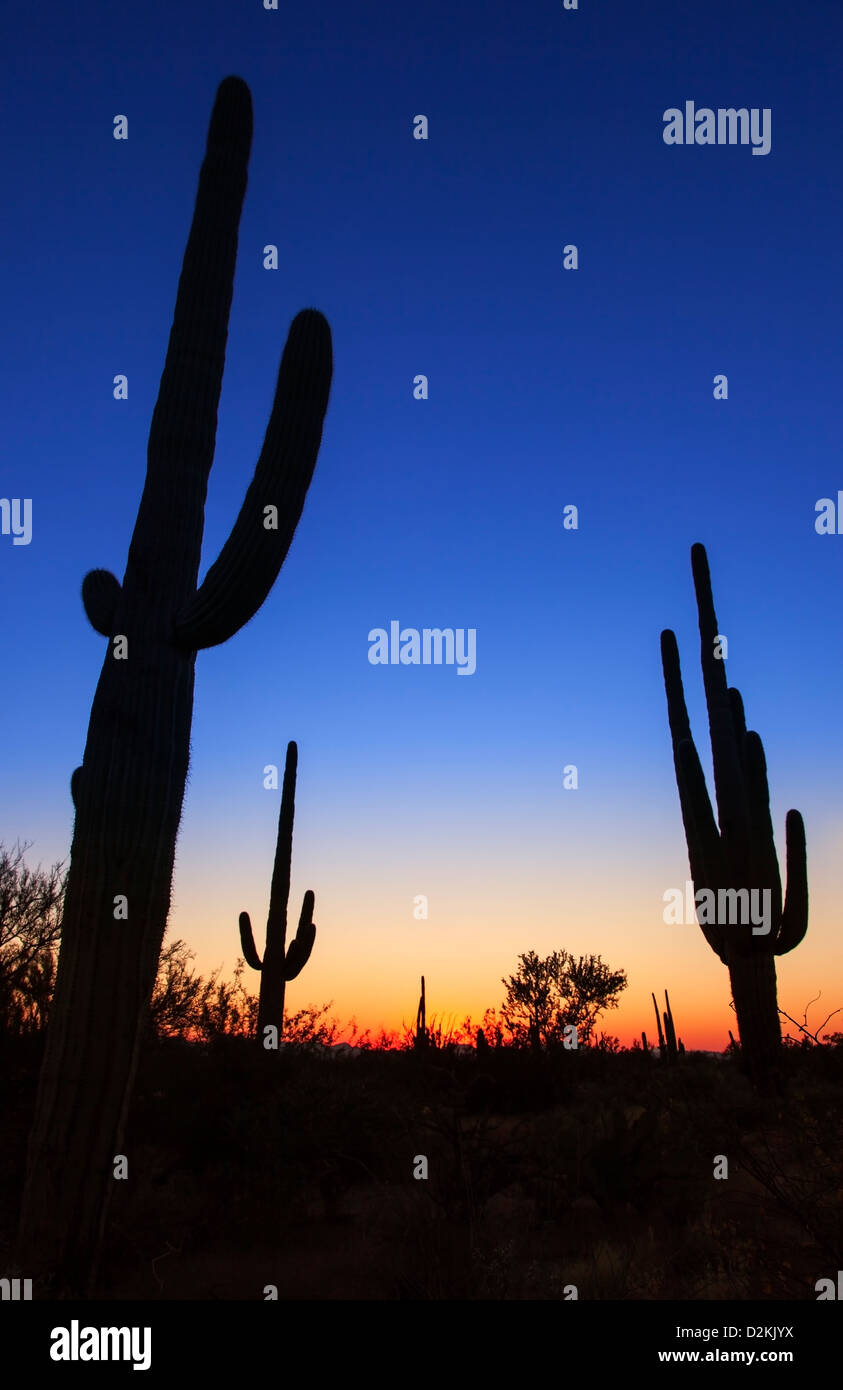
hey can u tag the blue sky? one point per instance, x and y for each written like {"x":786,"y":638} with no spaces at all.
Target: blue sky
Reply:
{"x":546,"y":387}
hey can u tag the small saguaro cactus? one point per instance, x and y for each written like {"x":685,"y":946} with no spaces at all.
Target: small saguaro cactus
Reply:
{"x":669,"y":1031}
{"x":129,"y":790}
{"x":669,"y":1048}
{"x":422,"y":1037}
{"x":280,"y":962}
{"x":739,"y":857}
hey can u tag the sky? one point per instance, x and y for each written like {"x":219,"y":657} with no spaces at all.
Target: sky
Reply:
{"x":547,"y":387}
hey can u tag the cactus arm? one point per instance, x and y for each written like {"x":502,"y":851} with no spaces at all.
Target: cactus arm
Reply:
{"x":738,"y":716}
{"x":693,"y":797}
{"x":732,"y":810}
{"x":677,"y":710}
{"x":704,"y":847}
{"x":698,"y":817}
{"x":662,"y":1048}
{"x":705,"y":855}
{"x":701,"y":833}
{"x":240,"y":579}
{"x":247,"y":941}
{"x":100,"y":596}
{"x":74,"y":785}
{"x":765,"y":863}
{"x":795,"y":913}
{"x":299,"y":949}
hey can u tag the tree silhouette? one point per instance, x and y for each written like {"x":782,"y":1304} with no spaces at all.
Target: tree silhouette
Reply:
{"x":30,"y":927}
{"x":531,"y":1007}
{"x":547,"y":995}
{"x":591,"y":986}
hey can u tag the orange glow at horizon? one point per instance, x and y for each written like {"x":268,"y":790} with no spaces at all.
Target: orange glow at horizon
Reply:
{"x":370,"y":951}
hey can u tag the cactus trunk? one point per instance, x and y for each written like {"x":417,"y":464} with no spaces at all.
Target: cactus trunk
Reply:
{"x":754,"y":992}
{"x":128,"y":792}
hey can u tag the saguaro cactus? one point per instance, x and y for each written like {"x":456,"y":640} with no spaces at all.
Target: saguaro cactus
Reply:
{"x":280,"y":963}
{"x":128,"y":792}
{"x":422,"y":1036}
{"x":670,"y":1031}
{"x":741,"y":854}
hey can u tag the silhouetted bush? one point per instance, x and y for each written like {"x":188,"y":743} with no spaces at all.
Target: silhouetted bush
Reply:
{"x":30,"y":926}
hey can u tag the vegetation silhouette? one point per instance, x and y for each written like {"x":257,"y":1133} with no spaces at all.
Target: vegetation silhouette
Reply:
{"x":129,"y":790}
{"x":670,"y":1050}
{"x":30,"y":929}
{"x":741,"y":853}
{"x":548,"y":1170}
{"x":548,"y":995}
{"x":280,"y":963}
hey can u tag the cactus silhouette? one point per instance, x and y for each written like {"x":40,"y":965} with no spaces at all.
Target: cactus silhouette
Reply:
{"x":741,"y":854}
{"x":128,"y":792}
{"x":672,"y":1051}
{"x":663,"y":1051}
{"x":421,"y":1038}
{"x":280,"y":963}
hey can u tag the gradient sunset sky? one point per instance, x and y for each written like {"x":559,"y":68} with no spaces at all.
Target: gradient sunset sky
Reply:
{"x":548,"y":387}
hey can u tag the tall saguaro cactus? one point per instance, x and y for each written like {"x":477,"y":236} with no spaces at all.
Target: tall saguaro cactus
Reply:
{"x":128,"y":792}
{"x":280,"y":962}
{"x":741,"y":854}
